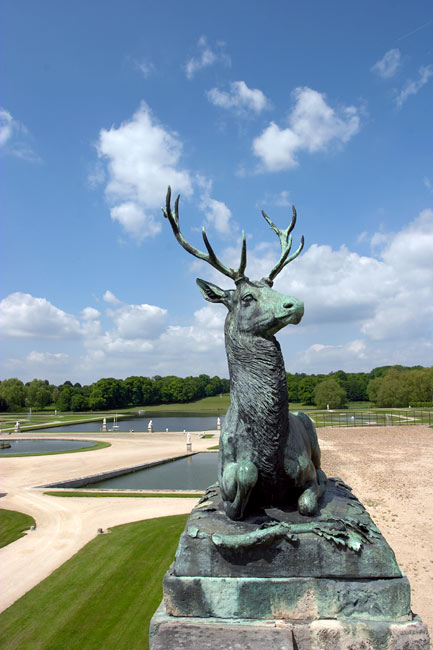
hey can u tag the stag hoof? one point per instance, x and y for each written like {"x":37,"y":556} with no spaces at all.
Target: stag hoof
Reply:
{"x":308,"y":502}
{"x":237,"y":482}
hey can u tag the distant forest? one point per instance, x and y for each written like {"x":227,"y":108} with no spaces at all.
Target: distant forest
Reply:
{"x":385,"y":386}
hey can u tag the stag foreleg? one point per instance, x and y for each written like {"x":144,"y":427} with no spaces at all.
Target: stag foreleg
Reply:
{"x":237,"y":482}
{"x":237,"y":474}
{"x":302,"y":463}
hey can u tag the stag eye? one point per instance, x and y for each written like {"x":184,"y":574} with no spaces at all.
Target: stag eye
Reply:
{"x":248,"y":298}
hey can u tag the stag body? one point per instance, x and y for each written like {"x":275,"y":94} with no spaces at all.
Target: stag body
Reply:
{"x":268,"y":456}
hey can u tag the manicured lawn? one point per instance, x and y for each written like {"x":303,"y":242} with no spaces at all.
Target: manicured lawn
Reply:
{"x":148,"y":495}
{"x":214,"y":404}
{"x":103,"y":597}
{"x":12,"y":525}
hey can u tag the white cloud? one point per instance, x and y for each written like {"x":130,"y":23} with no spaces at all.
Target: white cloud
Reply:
{"x":90,"y":314}
{"x":412,"y":87}
{"x":387,"y":66}
{"x":138,"y":321}
{"x":7,"y":126}
{"x":206,"y":57}
{"x":23,"y":316}
{"x":135,"y":221}
{"x":240,"y":98}
{"x":111,"y":298}
{"x":142,"y":160}
{"x":313,"y":126}
{"x":428,"y":184}
{"x":360,"y":312}
{"x":322,"y":357}
{"x":217,"y":214}
{"x":14,"y":138}
{"x":146,"y":68}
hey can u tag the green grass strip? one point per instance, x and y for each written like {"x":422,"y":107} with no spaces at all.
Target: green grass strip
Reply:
{"x":12,"y":525}
{"x":99,"y":445}
{"x":148,"y":495}
{"x":103,"y":597}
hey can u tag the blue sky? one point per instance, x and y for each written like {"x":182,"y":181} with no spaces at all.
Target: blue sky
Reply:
{"x":240,"y":106}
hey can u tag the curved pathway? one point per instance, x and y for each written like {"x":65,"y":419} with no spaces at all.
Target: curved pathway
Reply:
{"x":64,"y":525}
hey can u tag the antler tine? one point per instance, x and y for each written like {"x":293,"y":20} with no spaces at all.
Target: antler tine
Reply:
{"x":210,"y":256}
{"x":286,"y":244}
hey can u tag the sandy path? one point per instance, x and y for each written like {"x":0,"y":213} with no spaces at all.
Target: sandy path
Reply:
{"x":63,"y":526}
{"x":389,"y":469}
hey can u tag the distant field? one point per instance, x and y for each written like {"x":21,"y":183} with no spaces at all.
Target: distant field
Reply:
{"x":41,"y":419}
{"x":103,"y":597}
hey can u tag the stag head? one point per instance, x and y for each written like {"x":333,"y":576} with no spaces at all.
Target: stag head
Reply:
{"x":254,"y":307}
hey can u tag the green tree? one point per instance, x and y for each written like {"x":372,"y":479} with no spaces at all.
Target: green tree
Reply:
{"x":38,"y":394}
{"x":108,"y":393}
{"x":79,"y":402}
{"x":373,"y":388}
{"x":394,"y":389}
{"x":306,"y":389}
{"x":64,"y":399}
{"x":331,"y":392}
{"x":13,"y":393}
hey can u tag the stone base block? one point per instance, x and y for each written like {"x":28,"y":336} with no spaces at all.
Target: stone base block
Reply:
{"x":180,"y":633}
{"x":287,"y":598}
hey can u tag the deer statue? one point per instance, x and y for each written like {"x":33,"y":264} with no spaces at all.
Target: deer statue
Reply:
{"x":268,"y":456}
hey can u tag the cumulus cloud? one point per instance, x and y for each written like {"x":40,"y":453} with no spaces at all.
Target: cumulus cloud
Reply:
{"x":360,"y":312}
{"x":138,"y":321}
{"x":388,"y":65}
{"x":313,"y":126}
{"x":23,"y":316}
{"x":240,"y":98}
{"x":206,"y":57}
{"x":322,"y":357}
{"x":412,"y":87}
{"x":142,"y":158}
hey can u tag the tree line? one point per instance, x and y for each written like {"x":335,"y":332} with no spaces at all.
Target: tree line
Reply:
{"x":108,"y":393}
{"x":385,"y":386}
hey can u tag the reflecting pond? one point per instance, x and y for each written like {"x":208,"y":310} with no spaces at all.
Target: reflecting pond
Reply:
{"x":195,"y":472}
{"x":43,"y":446}
{"x":159,"y":423}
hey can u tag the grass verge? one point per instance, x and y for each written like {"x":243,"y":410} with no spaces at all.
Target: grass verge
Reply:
{"x":12,"y":525}
{"x":148,"y":495}
{"x":103,"y":597}
{"x":99,"y":445}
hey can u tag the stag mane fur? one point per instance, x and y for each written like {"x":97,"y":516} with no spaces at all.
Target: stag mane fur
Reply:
{"x":259,"y":390}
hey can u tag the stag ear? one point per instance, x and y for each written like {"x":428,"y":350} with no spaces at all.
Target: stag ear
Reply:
{"x":212,"y":293}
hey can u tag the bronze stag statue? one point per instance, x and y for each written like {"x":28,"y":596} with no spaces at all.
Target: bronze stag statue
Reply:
{"x":268,"y":456}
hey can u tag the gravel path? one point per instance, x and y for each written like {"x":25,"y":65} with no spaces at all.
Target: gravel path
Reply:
{"x":390,"y":471}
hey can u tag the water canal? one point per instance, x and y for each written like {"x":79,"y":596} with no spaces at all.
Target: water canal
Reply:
{"x":194,"y":472}
{"x":163,"y":422}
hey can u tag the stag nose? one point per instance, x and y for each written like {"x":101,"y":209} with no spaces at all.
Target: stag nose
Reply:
{"x":288,"y":305}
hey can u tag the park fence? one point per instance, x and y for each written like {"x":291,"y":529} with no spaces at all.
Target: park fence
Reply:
{"x":372,"y":418}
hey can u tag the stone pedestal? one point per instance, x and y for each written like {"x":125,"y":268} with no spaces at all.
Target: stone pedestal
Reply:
{"x":280,"y":580}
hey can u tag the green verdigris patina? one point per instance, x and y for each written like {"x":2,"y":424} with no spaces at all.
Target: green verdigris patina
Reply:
{"x":268,"y":456}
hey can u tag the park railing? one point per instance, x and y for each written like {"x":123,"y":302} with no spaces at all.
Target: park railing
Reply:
{"x":372,"y":417}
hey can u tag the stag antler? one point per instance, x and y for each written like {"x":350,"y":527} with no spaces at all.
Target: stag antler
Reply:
{"x":210,"y":256}
{"x":286,"y":244}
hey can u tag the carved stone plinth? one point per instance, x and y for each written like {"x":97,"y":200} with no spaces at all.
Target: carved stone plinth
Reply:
{"x":281,"y":580}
